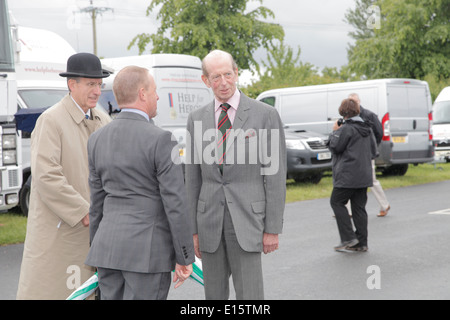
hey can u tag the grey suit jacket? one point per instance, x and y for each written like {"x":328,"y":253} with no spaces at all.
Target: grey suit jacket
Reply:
{"x":138,"y":216}
{"x":253,"y":186}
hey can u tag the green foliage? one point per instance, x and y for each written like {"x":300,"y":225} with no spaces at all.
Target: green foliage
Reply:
{"x":413,"y":41}
{"x":196,"y":27}
{"x":285,"y":69}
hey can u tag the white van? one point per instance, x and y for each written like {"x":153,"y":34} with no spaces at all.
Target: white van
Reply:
{"x":179,"y":87}
{"x":402,"y":105}
{"x":441,"y":125}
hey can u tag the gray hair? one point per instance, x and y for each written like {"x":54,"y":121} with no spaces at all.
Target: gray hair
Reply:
{"x":215,"y":54}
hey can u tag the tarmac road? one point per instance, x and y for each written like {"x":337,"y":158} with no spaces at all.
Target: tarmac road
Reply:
{"x":408,"y":255}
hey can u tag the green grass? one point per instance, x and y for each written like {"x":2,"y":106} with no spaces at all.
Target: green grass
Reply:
{"x":13,"y":224}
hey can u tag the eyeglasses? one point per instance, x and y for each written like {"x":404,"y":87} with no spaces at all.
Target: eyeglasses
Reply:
{"x":93,"y":84}
{"x":218,"y":77}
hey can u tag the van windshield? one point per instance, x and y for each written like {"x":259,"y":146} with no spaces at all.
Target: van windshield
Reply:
{"x":441,"y":112}
{"x":108,"y":102}
{"x":41,"y":98}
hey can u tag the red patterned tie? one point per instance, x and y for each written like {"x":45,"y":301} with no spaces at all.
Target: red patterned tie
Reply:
{"x":224,"y":125}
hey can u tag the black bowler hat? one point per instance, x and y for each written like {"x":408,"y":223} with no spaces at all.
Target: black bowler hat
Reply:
{"x":85,"y":65}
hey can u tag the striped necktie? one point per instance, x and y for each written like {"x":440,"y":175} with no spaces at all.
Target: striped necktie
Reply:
{"x":224,"y":125}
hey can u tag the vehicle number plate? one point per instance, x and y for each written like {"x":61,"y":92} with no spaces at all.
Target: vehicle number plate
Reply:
{"x":324,"y":156}
{"x":399,"y":139}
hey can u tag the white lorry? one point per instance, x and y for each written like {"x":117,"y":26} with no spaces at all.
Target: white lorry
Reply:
{"x":10,"y":142}
{"x":402,"y":105}
{"x":41,"y":56}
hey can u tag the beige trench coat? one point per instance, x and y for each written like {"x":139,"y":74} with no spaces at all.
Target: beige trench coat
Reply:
{"x":56,"y":242}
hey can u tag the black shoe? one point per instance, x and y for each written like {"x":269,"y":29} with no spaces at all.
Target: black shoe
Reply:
{"x":345,"y":244}
{"x":357,"y":248}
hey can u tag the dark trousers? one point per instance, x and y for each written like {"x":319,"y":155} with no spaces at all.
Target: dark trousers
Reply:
{"x":358,"y":200}
{"x":124,"y":285}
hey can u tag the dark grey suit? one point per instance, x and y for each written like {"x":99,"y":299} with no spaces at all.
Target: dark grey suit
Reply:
{"x":138,"y":217}
{"x":249,"y":198}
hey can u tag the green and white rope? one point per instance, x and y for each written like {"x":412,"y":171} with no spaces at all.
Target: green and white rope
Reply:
{"x":88,"y":288}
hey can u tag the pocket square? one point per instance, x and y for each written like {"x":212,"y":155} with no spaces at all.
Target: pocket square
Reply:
{"x":250,"y":133}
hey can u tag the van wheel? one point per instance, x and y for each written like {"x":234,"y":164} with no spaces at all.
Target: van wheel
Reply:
{"x":314,"y":178}
{"x":396,"y":170}
{"x":24,"y":197}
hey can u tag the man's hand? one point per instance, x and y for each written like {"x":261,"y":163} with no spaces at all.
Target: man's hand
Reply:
{"x":181,"y":274}
{"x":270,"y":242}
{"x":336,"y":125}
{"x":197,"y":246}
{"x":85,"y":221}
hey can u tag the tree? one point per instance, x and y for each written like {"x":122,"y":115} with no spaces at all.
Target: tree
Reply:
{"x":413,"y":40}
{"x":196,"y":27}
{"x":285,"y":69}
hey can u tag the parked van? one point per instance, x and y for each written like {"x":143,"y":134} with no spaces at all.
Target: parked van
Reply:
{"x":441,"y":125}
{"x":179,"y":87}
{"x":402,"y":105}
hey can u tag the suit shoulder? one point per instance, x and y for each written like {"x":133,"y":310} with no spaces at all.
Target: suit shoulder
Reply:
{"x":200,"y":111}
{"x":261,"y":106}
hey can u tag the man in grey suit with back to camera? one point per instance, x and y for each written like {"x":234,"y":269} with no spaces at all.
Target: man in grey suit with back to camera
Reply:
{"x":236,"y":182}
{"x":139,"y":227}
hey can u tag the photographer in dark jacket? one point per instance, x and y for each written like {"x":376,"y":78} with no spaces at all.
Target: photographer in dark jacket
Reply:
{"x":372,"y":119}
{"x":353,"y":146}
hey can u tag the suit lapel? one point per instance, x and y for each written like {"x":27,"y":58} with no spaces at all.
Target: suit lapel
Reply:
{"x":209,"y":119}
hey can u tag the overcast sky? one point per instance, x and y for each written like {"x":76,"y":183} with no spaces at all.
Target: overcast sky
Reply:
{"x":316,"y":26}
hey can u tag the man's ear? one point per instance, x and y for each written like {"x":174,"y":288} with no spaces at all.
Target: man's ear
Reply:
{"x":206,"y":81}
{"x":142,"y":94}
{"x":70,"y":84}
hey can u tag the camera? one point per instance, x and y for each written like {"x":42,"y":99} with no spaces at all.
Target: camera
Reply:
{"x":340,"y":122}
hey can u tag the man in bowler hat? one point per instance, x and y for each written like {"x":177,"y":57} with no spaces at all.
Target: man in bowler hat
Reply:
{"x":57,"y":239}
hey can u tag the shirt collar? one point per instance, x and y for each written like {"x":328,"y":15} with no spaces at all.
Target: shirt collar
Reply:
{"x":142,"y":113}
{"x":88,"y":113}
{"x":233,"y":101}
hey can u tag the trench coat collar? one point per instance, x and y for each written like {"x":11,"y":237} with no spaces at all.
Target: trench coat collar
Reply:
{"x":75,"y":113}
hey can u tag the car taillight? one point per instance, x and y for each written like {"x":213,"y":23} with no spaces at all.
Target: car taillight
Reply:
{"x":430,"y":126}
{"x":386,"y":127}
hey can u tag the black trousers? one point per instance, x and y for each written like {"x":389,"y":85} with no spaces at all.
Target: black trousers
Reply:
{"x":358,"y":200}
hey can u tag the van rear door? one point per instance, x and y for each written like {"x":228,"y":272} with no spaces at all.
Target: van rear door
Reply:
{"x":180,"y":91}
{"x":408,"y":107}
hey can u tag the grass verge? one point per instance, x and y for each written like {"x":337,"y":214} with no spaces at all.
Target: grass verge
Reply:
{"x":13,"y":226}
{"x":420,"y":174}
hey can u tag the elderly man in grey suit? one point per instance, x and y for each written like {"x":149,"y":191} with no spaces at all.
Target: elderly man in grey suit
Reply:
{"x":139,"y":226}
{"x":236,"y":191}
